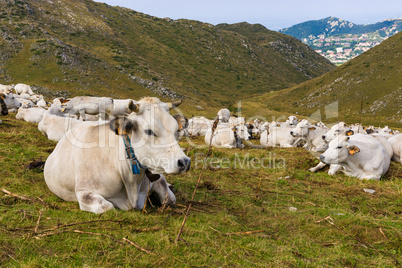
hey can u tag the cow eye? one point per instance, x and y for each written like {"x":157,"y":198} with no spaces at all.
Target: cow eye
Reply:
{"x":339,"y":147}
{"x":149,"y":132}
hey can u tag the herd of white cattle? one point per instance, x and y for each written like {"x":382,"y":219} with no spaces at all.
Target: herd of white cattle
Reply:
{"x":355,"y":150}
{"x":90,"y":163}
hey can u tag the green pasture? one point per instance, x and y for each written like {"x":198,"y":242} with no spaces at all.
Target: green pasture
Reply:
{"x":254,"y":207}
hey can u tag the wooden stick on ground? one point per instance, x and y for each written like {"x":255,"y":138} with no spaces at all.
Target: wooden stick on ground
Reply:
{"x":245,"y":233}
{"x":199,"y":179}
{"x":137,"y":246}
{"x":8,"y":193}
{"x":37,"y":223}
{"x":51,"y":233}
{"x":15,"y":195}
{"x":383,"y":234}
{"x":98,"y":234}
{"x":146,"y":199}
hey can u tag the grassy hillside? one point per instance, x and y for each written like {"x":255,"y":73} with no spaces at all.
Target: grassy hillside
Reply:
{"x":245,"y":214}
{"x":87,"y":48}
{"x":367,"y":89}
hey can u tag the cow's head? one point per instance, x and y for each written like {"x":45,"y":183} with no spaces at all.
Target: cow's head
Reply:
{"x":302,"y":129}
{"x":292,"y":120}
{"x":242,"y":132}
{"x":335,"y":131}
{"x":339,"y":149}
{"x":224,"y":115}
{"x":12,"y":102}
{"x":182,"y":121}
{"x":152,"y":133}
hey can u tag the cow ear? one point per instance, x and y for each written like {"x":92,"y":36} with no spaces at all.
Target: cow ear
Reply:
{"x":349,"y":132}
{"x":152,"y":177}
{"x":133,"y":107}
{"x":353,"y":150}
{"x":122,"y":125}
{"x":312,"y":128}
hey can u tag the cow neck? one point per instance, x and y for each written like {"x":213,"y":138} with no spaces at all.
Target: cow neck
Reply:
{"x":4,"y":110}
{"x":135,"y":164}
{"x":237,"y":139}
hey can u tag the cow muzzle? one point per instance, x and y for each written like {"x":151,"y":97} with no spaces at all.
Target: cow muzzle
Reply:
{"x":322,"y":158}
{"x":184,"y":164}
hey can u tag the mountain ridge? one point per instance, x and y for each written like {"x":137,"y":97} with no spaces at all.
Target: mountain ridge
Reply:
{"x":367,"y":89}
{"x":88,"y":48}
{"x":333,"y":26}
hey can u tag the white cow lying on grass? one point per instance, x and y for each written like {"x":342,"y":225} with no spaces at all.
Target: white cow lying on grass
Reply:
{"x":311,"y":134}
{"x":54,"y":127}
{"x":235,"y":120}
{"x":82,"y":105}
{"x":90,"y":165}
{"x":6,"y":89}
{"x":278,"y":137}
{"x":25,"y":103}
{"x":41,"y":103}
{"x":359,"y":155}
{"x":23,"y":88}
{"x":198,"y":126}
{"x":396,"y":143}
{"x":227,"y":136}
{"x":33,"y":115}
{"x":338,"y":129}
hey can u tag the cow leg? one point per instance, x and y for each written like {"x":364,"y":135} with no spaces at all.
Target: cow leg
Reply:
{"x":318,"y":167}
{"x":82,"y":115}
{"x":93,"y":202}
{"x":103,"y":116}
{"x":333,"y":169}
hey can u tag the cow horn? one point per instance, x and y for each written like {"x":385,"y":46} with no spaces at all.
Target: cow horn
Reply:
{"x":133,"y":107}
{"x":174,"y":104}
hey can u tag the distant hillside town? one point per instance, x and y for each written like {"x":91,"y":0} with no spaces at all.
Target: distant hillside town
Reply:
{"x":340,"y":41}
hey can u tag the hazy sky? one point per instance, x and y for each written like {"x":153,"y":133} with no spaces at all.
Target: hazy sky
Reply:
{"x":272,"y":14}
